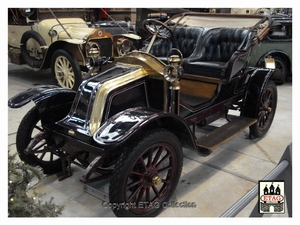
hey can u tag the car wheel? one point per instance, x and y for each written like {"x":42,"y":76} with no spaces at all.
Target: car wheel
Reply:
{"x":40,"y":52}
{"x":280,"y":64}
{"x":29,"y":127}
{"x":265,"y":110}
{"x":146,"y":175}
{"x":66,"y":70}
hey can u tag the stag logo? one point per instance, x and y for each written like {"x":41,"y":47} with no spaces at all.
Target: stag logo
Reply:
{"x":271,"y":197}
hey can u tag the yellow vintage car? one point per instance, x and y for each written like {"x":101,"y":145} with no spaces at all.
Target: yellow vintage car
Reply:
{"x":59,"y":39}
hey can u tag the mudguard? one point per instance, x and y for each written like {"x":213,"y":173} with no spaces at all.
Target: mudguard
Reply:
{"x":135,"y":120}
{"x":38,"y":94}
{"x":258,"y":81}
{"x":52,"y":102}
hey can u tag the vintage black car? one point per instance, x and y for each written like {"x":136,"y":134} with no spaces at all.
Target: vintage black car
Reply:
{"x":130,"y":122}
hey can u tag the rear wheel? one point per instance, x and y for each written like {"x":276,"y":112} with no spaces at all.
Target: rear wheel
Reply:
{"x":66,"y":69}
{"x":266,"y":108}
{"x":280,"y":64}
{"x":146,"y":175}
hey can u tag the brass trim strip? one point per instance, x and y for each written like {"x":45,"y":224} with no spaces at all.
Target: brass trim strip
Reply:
{"x":104,"y":90}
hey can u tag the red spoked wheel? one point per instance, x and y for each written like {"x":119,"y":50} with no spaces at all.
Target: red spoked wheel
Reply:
{"x":146,"y":175}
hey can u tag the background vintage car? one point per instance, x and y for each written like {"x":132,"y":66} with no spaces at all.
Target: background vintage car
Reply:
{"x":277,"y":44}
{"x":59,"y":39}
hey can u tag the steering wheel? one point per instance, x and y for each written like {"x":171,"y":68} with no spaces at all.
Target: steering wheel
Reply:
{"x":155,"y":27}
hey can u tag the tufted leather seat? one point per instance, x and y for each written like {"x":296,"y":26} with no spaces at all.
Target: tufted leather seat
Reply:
{"x":222,"y":52}
{"x":186,"y":39}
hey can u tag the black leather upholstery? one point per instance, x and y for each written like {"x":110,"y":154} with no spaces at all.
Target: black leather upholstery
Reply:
{"x":211,"y":52}
{"x":186,"y":39}
{"x":218,"y":48}
{"x":161,"y":48}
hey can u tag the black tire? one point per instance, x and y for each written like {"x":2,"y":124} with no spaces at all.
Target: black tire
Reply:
{"x":66,"y":69}
{"x":265,"y":111}
{"x":31,"y":61}
{"x":141,"y":188}
{"x":280,"y":64}
{"x":28,"y":128}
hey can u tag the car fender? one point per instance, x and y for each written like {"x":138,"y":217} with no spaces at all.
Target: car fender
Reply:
{"x":132,"y":122}
{"x":52,"y":102}
{"x":256,"y":85}
{"x":39,"y":94}
{"x":275,"y":52}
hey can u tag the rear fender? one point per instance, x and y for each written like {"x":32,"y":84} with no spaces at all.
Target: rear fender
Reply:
{"x":258,"y":81}
{"x":52,"y":101}
{"x":131,"y":123}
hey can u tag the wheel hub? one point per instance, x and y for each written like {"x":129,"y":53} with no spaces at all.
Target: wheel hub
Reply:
{"x":156,"y":180}
{"x":151,"y":177}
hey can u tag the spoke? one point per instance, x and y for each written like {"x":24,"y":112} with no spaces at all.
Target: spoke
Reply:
{"x":158,"y":154}
{"x":51,"y":157}
{"x":70,"y":69}
{"x":149,"y":164}
{"x":141,"y":194}
{"x":262,"y":119}
{"x":35,"y":149}
{"x":60,"y":63}
{"x":164,"y":169}
{"x":42,"y":155}
{"x":143,"y":163}
{"x":134,"y":194}
{"x":137,"y":173}
{"x":148,"y":194}
{"x":69,"y":83}
{"x":134,"y":184}
{"x":163,"y":159}
{"x":165,"y":181}
{"x":64,"y":63}
{"x":155,"y":190}
{"x":267,"y":99}
{"x":38,"y":128}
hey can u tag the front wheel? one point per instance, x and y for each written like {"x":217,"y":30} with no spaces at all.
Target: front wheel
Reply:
{"x":66,"y":70}
{"x":146,"y":175}
{"x":29,"y":128}
{"x":266,"y":108}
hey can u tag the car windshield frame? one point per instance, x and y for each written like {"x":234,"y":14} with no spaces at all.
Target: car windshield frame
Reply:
{"x":216,"y":20}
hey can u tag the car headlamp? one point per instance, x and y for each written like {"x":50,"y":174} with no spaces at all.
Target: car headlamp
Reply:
{"x":52,"y":33}
{"x":173,"y":73}
{"x":123,"y":46}
{"x":93,"y":55}
{"x":92,"y":49}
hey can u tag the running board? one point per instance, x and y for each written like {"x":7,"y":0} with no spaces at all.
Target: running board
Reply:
{"x":215,"y":138}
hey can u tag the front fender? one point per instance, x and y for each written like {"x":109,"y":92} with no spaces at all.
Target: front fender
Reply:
{"x":120,"y":127}
{"x":38,"y":94}
{"x":52,"y":102}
